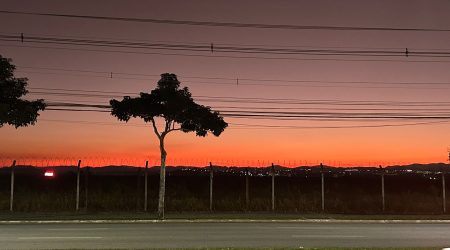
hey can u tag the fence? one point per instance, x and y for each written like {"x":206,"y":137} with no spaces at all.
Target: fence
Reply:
{"x":216,"y":188}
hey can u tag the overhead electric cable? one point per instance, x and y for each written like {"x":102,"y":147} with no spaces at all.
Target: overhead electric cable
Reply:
{"x":296,"y":45}
{"x":228,"y":56}
{"x":253,"y":126}
{"x":53,"y":102}
{"x":225,"y":24}
{"x":219,"y":49}
{"x":243,"y":80}
{"x":87,"y":93}
{"x":275,"y":114}
{"x":291,"y":117}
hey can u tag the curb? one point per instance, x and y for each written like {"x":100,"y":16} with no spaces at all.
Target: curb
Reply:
{"x":20,"y":222}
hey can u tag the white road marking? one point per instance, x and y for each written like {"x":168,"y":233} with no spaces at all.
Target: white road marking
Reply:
{"x":77,"y":229}
{"x":328,"y":236}
{"x":308,"y":228}
{"x":59,"y":238}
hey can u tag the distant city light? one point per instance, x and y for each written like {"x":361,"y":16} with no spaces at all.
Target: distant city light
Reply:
{"x":49,"y":173}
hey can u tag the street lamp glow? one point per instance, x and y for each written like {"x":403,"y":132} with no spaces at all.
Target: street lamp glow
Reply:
{"x":49,"y":173}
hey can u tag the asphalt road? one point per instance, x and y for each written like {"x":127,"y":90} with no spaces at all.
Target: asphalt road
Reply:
{"x":228,"y":234}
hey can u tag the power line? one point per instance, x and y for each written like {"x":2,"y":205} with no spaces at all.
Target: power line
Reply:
{"x":278,"y":115}
{"x":253,"y":126}
{"x":225,"y":24}
{"x":245,"y":81}
{"x":242,"y":44}
{"x":220,"y":49}
{"x":402,"y":48}
{"x":290,"y":116}
{"x":54,"y":102}
{"x":329,"y":59}
{"x":440,"y":86}
{"x":241,"y":79}
{"x":237,"y":44}
{"x":268,"y":117}
{"x":110,"y":94}
{"x":317,"y":103}
{"x":64,"y":102}
{"x":77,"y":110}
{"x":350,"y":116}
{"x":327,"y":108}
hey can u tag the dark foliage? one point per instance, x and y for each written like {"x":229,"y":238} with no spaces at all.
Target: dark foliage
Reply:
{"x":13,"y":110}
{"x":176,"y":106}
{"x":172,"y":103}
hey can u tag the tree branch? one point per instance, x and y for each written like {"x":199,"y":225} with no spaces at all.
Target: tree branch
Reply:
{"x":170,"y":129}
{"x":167,"y":128}
{"x":174,"y":129}
{"x":155,"y":129}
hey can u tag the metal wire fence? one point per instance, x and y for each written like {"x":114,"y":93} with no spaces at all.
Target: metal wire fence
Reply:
{"x":73,"y":185}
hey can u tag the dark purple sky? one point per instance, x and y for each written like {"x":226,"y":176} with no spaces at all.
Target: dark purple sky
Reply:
{"x":374,"y":145}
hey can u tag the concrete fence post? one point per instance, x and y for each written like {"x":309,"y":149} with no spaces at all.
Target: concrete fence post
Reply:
{"x":11,"y":198}
{"x":146,"y":186}
{"x":383,"y":202}
{"x":273,"y":187}
{"x":211,"y":177}
{"x":247,"y":194}
{"x":300,"y":194}
{"x":322,"y":186}
{"x":77,"y":205}
{"x":444,"y":200}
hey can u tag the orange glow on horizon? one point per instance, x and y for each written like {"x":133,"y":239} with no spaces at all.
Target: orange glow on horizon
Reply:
{"x":140,"y":162}
{"x":296,"y":109}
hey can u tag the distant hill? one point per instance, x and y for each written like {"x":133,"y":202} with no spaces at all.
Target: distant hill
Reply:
{"x":423,"y":167}
{"x":187,"y":170}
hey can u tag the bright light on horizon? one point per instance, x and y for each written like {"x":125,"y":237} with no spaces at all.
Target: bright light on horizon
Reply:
{"x":49,"y":173}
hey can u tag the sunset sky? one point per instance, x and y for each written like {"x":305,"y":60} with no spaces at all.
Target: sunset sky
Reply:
{"x":348,"y":82}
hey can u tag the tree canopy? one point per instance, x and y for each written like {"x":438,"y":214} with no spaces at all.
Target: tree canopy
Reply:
{"x":13,"y":110}
{"x":177,"y":107}
{"x":172,"y":103}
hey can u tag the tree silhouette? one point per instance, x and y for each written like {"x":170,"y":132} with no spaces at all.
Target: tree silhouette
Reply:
{"x":13,"y":110}
{"x":179,"y":111}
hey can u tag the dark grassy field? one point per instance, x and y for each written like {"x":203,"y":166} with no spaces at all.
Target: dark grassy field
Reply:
{"x":187,"y":191}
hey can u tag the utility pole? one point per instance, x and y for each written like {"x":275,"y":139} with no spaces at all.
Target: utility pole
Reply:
{"x":11,"y":199}
{"x":77,"y":206}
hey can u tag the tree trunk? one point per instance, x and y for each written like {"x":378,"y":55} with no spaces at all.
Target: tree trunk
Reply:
{"x":162,"y":180}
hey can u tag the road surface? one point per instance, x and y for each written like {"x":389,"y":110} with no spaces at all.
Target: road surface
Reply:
{"x":223,"y":234}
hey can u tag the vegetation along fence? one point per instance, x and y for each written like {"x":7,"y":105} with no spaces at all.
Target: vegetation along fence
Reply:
{"x":309,"y":189}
